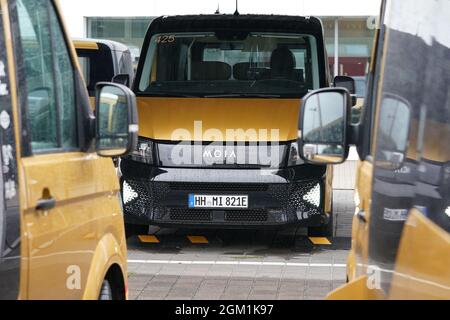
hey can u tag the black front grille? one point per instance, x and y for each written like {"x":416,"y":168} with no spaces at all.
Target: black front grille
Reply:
{"x":143,"y":201}
{"x":168,"y":201}
{"x":182,"y":214}
{"x":233,"y":187}
{"x":250,"y":215}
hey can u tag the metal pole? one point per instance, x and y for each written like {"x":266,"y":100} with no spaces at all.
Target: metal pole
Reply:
{"x":336,"y":47}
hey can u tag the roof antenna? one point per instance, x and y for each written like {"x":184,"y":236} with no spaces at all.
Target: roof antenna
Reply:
{"x":236,"y":13}
{"x":218,"y":8}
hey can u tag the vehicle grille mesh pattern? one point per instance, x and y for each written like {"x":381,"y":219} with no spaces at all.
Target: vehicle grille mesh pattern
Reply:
{"x":142,"y":202}
{"x":181,"y":214}
{"x":251,"y":215}
{"x":232,"y":187}
{"x":152,"y":197}
{"x":298,"y":192}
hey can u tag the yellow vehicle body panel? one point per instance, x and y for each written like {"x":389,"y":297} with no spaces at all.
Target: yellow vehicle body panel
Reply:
{"x":419,"y":266}
{"x":84,"y":233}
{"x":109,"y":252}
{"x":359,"y":252}
{"x":356,"y":290}
{"x":68,"y":236}
{"x":159,"y":118}
{"x":14,"y":100}
{"x":421,"y":270}
{"x":423,"y":260}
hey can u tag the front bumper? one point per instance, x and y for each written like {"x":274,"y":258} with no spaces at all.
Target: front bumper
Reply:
{"x":159,"y":196}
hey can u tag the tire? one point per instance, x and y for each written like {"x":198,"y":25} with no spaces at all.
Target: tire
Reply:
{"x":105,"y":291}
{"x":326,"y":230}
{"x":135,"y":229}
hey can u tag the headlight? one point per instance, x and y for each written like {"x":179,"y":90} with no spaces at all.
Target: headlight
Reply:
{"x":294,"y":155}
{"x":313,"y":196}
{"x":143,"y":152}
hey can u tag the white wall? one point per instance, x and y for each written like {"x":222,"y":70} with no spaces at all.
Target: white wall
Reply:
{"x":75,"y":11}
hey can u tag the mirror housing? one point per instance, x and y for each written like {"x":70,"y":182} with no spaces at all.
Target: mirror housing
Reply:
{"x":123,"y":79}
{"x":324,"y":126}
{"x":347,"y":83}
{"x":116,"y":119}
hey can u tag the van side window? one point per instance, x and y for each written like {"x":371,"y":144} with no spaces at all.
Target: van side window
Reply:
{"x":64,"y":84}
{"x":49,"y":77}
{"x":96,"y":65}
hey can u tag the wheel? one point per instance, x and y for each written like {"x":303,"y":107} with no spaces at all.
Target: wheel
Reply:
{"x":135,"y":229}
{"x":326,"y":230}
{"x":105,"y":291}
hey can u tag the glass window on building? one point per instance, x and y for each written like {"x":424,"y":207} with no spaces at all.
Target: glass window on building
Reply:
{"x":127,"y":30}
{"x":355,"y":41}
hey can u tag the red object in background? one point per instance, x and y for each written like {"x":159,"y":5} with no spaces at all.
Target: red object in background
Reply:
{"x":350,"y":66}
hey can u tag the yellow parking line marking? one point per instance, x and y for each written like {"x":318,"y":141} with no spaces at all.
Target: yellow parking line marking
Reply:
{"x":319,"y":240}
{"x":148,"y":238}
{"x":197,"y":239}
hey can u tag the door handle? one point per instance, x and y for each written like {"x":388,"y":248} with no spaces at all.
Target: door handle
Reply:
{"x":362,"y":216}
{"x":46,"y":204}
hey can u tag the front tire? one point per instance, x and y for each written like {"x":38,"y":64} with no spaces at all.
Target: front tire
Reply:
{"x":135,"y":229}
{"x":325,"y":230}
{"x":105,"y":291}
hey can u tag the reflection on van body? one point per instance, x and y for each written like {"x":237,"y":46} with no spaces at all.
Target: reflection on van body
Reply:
{"x":401,"y":228}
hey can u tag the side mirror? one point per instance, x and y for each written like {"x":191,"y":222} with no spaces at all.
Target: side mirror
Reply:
{"x":347,"y":83}
{"x":116,"y":119}
{"x":123,"y":79}
{"x":324,"y":119}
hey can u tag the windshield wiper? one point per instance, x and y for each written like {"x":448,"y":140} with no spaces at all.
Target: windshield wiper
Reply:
{"x":246,"y":95}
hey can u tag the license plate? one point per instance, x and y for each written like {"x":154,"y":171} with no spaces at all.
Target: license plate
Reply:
{"x":217,"y":201}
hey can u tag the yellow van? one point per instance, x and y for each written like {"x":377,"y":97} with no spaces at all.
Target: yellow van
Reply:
{"x":61,"y":221}
{"x":218,"y":102}
{"x":400,"y":236}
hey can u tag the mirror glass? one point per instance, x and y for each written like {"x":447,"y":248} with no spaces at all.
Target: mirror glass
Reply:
{"x":392,"y":132}
{"x":323,"y":127}
{"x":112,"y":120}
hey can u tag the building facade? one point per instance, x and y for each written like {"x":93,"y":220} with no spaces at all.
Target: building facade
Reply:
{"x":349,"y":24}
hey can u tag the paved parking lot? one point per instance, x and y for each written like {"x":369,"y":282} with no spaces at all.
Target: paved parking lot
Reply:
{"x":243,"y":264}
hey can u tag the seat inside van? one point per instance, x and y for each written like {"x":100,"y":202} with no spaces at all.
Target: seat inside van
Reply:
{"x":245,"y":71}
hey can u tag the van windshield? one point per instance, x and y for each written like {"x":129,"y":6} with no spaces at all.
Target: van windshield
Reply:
{"x":208,"y":65}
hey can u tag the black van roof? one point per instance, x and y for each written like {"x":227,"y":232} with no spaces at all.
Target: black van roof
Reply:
{"x":214,"y":22}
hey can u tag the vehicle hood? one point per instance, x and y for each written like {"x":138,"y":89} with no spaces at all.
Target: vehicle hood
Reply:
{"x":218,"y":119}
